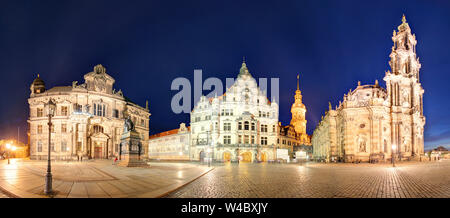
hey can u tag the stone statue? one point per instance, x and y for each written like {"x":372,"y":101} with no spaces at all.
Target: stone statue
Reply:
{"x":128,"y":125}
{"x":361,"y":144}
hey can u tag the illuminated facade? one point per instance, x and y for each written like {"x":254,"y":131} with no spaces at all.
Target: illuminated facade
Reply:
{"x":88,"y":121}
{"x":170,"y":145}
{"x":373,"y":123}
{"x":242,"y":123}
{"x":298,"y":111}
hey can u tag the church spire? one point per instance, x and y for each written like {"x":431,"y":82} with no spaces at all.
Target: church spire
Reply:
{"x":298,"y":78}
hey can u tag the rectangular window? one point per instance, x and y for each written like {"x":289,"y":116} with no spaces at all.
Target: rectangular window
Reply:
{"x":239,"y":139}
{"x":263,"y":140}
{"x":227,"y":126}
{"x":77,"y":108}
{"x":246,"y":125}
{"x":116,"y":113}
{"x":259,"y":113}
{"x":253,"y":126}
{"x":231,"y":112}
{"x":227,"y":140}
{"x":273,"y":128}
{"x":63,"y":128}
{"x":246,"y":139}
{"x":240,"y":126}
{"x":39,"y":146}
{"x":40,"y":112}
{"x":253,"y":139}
{"x":39,"y":129}
{"x":64,"y":146}
{"x":142,"y":122}
{"x":64,"y":111}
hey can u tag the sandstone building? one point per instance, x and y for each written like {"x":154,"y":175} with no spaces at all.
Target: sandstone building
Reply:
{"x":88,"y":121}
{"x":376,"y":123}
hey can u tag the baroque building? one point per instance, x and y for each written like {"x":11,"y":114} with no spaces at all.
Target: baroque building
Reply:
{"x":88,"y":120}
{"x":375,"y":123}
{"x":240,"y":124}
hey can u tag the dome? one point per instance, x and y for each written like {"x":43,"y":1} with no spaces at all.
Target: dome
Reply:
{"x":38,"y":85}
{"x":38,"y":82}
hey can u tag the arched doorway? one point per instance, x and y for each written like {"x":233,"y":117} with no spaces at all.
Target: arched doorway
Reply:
{"x":246,"y":157}
{"x":264,"y":157}
{"x":226,"y":156}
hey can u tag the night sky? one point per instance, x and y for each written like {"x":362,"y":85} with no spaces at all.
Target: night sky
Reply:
{"x":144,"y":45}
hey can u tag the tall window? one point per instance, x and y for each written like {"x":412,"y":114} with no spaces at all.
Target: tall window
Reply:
{"x":263,"y":140}
{"x":239,"y":139}
{"x":273,"y":128}
{"x":240,"y":126}
{"x":253,"y":139}
{"x":63,"y":128}
{"x":246,"y":125}
{"x":63,"y":146}
{"x":227,"y":140}
{"x":99,"y":110}
{"x":40,"y":112}
{"x":227,"y":126}
{"x":116,"y":113}
{"x":253,"y":126}
{"x":39,"y":146}
{"x":64,"y":111}
{"x":263,"y":128}
{"x":246,"y":141}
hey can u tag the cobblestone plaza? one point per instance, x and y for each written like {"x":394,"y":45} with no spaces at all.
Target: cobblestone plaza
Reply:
{"x":245,"y":180}
{"x":407,"y":180}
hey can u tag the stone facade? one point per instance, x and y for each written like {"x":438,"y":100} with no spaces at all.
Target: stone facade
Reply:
{"x":170,"y":145}
{"x":242,"y":123}
{"x":88,"y":121}
{"x":372,"y":122}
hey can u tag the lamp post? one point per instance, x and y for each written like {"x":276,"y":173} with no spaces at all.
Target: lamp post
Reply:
{"x":209,"y":156}
{"x":50,"y":108}
{"x":394,"y":147}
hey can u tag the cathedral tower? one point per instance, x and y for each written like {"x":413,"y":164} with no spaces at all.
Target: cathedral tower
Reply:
{"x":298,"y":111}
{"x":405,"y":94}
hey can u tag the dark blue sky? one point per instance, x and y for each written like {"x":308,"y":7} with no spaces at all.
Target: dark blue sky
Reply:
{"x":146,"y":44}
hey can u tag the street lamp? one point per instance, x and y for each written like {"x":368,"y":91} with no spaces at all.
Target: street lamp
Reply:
{"x":209,"y":156}
{"x":394,"y":147}
{"x":50,"y":107}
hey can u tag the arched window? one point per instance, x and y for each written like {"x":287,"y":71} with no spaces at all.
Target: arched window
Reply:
{"x":246,"y":125}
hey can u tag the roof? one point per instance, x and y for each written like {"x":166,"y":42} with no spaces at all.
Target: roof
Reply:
{"x":166,"y":133}
{"x":60,"y":89}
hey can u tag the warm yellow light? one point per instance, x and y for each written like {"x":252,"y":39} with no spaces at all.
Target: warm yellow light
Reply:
{"x":8,"y":146}
{"x":394,"y":147}
{"x":14,"y":148}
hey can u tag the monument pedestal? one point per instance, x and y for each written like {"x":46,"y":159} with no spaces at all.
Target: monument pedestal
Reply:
{"x":131,"y":149}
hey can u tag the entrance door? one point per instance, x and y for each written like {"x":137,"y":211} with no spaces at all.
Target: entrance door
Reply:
{"x":246,"y":157}
{"x":98,"y":152}
{"x":226,"y":156}
{"x":264,"y":157}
